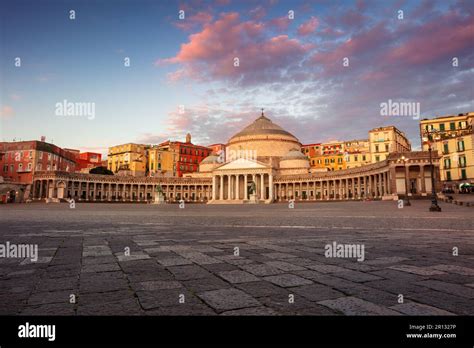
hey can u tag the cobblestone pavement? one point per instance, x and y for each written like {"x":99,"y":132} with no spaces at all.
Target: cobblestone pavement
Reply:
{"x":183,"y":262}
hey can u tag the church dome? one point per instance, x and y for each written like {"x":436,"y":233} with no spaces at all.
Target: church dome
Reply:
{"x":264,"y":138}
{"x":211,"y":159}
{"x":294,"y":154}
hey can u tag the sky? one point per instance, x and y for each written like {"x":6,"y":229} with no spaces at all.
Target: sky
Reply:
{"x":183,"y":77}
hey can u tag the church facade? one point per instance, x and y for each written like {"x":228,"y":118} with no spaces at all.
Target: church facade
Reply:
{"x":263,"y":163}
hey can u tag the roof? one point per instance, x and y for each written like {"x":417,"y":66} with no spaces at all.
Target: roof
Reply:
{"x":263,"y":126}
{"x":211,"y":159}
{"x":294,"y":154}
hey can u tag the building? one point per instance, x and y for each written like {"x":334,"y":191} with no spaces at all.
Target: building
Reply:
{"x":217,"y":148}
{"x":128,"y":159}
{"x":357,"y":153}
{"x":189,"y":155}
{"x":277,"y":170}
{"x":453,"y":138}
{"x":22,"y":159}
{"x":162,"y":160}
{"x":85,"y":161}
{"x":386,"y":140}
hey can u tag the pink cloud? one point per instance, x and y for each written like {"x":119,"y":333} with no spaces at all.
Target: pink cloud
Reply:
{"x":210,"y":53}
{"x":441,"y":38}
{"x":308,"y":27}
{"x":195,"y":21}
{"x":6,"y":112}
{"x":280,"y":23}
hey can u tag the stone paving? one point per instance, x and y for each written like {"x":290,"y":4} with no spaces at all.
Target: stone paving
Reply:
{"x":237,"y":260}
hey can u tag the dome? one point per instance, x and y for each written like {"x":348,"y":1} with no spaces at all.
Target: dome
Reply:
{"x":294,"y":155}
{"x":211,"y":159}
{"x":262,"y":126}
{"x":264,"y":138}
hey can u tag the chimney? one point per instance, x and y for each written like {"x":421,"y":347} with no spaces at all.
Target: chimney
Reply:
{"x":188,"y":138}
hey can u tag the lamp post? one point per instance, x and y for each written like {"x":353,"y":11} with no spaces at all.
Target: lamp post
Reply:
{"x":407,"y":199}
{"x":434,"y":201}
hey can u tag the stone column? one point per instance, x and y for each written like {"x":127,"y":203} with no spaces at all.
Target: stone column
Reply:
{"x":246,"y":194}
{"x":221,"y":188}
{"x":41,"y":189}
{"x":214,"y":188}
{"x":237,"y":177}
{"x":270,"y":183}
{"x":262,"y":186}
{"x":87,"y":191}
{"x":109,"y":194}
{"x":229,"y":187}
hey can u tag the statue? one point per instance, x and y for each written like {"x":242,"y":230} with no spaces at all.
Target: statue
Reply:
{"x":159,"y":196}
{"x":252,"y":193}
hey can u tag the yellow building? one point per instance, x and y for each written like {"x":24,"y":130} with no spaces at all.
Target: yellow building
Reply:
{"x":128,"y":159}
{"x":357,"y":153}
{"x":162,"y":161}
{"x":453,"y":138}
{"x":386,"y":140}
{"x":332,"y":155}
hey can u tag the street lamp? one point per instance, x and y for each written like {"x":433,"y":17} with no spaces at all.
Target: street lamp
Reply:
{"x":428,"y":138}
{"x":407,"y":199}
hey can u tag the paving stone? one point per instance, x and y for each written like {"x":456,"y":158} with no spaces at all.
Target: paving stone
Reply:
{"x":162,"y":298}
{"x":316,"y":292}
{"x":455,"y":269}
{"x":326,"y":268}
{"x":132,"y":257}
{"x":50,"y":309}
{"x":287,"y":280}
{"x":103,"y":267}
{"x":356,"y":276}
{"x":413,"y":308}
{"x":261,"y":269}
{"x":261,"y":289}
{"x":228,"y":299}
{"x":159,"y":285}
{"x":285,"y":266}
{"x":260,"y":311}
{"x":279,"y":256}
{"x":188,"y":272}
{"x":425,"y":271}
{"x":40,"y":298}
{"x":205,"y":284}
{"x":174,"y":261}
{"x":355,"y":306}
{"x":442,"y":300}
{"x":238,"y":276}
{"x":453,"y":289}
{"x":122,"y":307}
{"x":86,"y":299}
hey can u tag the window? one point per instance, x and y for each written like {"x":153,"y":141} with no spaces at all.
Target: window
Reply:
{"x":377,"y":158}
{"x":463,"y":174}
{"x":441,"y":127}
{"x":5,"y":168}
{"x":448,"y":175}
{"x":11,"y":168}
{"x":376,"y":148}
{"x":326,"y":161}
{"x":29,"y":166}
{"x":462,"y":161}
{"x":445,"y":148}
{"x":356,"y":158}
{"x":462,"y":124}
{"x":363,"y":158}
{"x":447,"y":163}
{"x":461,"y":145}
{"x":452,"y":126}
{"x":386,"y":147}
{"x":31,"y":154}
{"x":49,"y":156}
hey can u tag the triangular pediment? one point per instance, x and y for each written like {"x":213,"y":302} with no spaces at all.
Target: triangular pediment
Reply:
{"x":242,"y":163}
